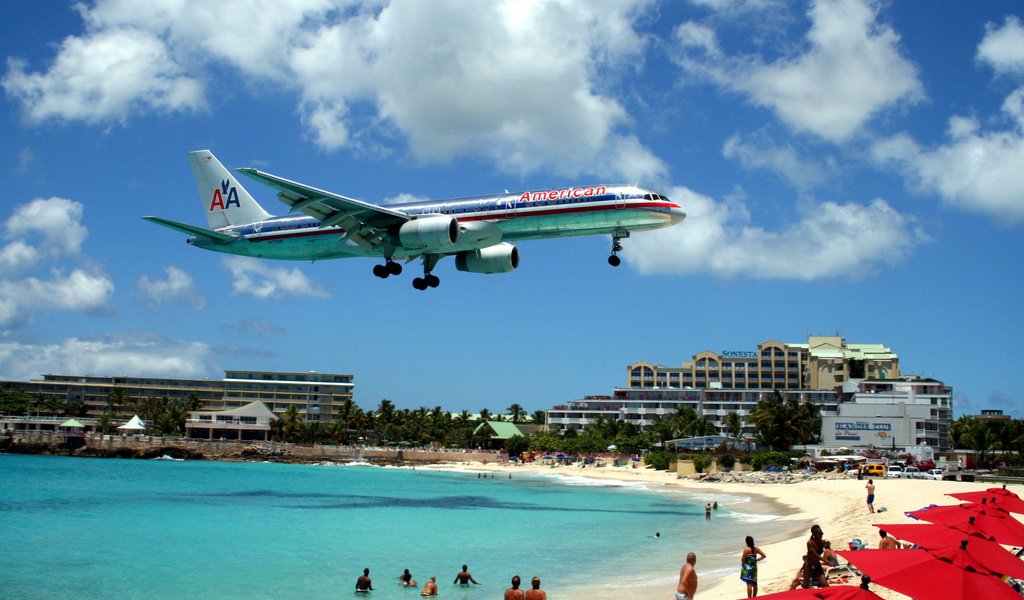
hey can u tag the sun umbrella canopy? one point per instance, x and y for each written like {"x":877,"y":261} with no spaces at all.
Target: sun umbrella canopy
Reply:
{"x":1004,"y":529}
{"x":920,"y":575}
{"x":834,"y":592}
{"x":937,"y":539}
{"x":1006,"y":502}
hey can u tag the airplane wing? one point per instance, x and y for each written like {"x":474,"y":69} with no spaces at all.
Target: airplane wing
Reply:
{"x":216,"y":236}
{"x":364,"y":223}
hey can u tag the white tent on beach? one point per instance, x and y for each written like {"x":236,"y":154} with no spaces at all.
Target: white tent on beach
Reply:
{"x":135,"y":425}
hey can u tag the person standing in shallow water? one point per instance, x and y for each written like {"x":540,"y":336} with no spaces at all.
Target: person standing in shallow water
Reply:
{"x":514,"y":593}
{"x":536,"y":593}
{"x":707,"y":512}
{"x":748,"y":566}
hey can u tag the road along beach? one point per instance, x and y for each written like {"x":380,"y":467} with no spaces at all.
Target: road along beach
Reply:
{"x":837,"y":504}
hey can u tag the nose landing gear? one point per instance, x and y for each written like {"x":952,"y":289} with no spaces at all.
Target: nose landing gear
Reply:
{"x":614,"y":260}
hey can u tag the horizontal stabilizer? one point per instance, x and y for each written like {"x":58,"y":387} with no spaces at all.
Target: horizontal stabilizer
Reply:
{"x":216,"y":236}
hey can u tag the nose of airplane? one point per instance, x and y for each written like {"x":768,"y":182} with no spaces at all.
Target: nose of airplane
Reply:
{"x":676,"y":214}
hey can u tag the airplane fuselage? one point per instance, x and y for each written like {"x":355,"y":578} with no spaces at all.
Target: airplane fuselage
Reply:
{"x":590,"y":210}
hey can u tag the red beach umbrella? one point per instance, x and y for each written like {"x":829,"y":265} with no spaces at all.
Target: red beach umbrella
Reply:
{"x":1001,"y":527}
{"x":1009,"y":503}
{"x":945,"y":543}
{"x":924,"y":577}
{"x":833,"y":592}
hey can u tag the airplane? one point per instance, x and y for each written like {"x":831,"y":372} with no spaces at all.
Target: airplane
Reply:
{"x":478,"y":231}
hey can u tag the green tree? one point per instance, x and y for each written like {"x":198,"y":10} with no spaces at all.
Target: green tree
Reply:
{"x":781,"y":422}
{"x":517,"y":413}
{"x":516,"y":445}
{"x":291,"y":425}
{"x":539,"y":417}
{"x":733,"y":424}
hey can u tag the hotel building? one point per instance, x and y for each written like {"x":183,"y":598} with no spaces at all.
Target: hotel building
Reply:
{"x":319,"y":397}
{"x":848,"y":382}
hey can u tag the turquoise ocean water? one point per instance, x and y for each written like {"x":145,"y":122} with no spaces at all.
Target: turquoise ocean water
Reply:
{"x":107,"y":528}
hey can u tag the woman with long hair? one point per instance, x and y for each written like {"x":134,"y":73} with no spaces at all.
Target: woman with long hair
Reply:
{"x":748,"y":566}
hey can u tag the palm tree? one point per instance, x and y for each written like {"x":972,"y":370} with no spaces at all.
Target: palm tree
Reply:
{"x":539,"y":417}
{"x":485,"y":415}
{"x":733,"y":424}
{"x":517,"y":412}
{"x":781,"y":422}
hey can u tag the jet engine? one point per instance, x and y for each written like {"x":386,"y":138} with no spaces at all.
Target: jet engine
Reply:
{"x":438,"y":232}
{"x":499,"y":258}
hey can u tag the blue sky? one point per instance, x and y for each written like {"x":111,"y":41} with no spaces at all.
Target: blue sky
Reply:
{"x":847,"y":167}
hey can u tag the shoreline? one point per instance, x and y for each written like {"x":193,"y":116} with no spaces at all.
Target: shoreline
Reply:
{"x":838,"y":505}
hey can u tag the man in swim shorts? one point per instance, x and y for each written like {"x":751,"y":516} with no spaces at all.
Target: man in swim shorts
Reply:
{"x":464,"y":577}
{"x":363,"y":584}
{"x":687,"y":587}
{"x":871,"y":495}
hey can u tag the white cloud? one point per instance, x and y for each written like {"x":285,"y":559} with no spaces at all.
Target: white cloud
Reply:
{"x":177,"y":286}
{"x":830,"y":241}
{"x":43,"y":233}
{"x":759,"y":151}
{"x":104,"y":76}
{"x":57,"y":220}
{"x":255,"y":278}
{"x":133,"y":354}
{"x":1003,"y":47}
{"x":520,"y":84}
{"x":850,"y":70}
{"x":977,"y":170}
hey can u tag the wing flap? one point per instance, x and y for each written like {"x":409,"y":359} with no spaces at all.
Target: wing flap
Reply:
{"x":364,"y":223}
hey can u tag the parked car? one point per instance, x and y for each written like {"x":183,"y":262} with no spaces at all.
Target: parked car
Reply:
{"x":935,"y":474}
{"x":911,"y":473}
{"x":895,"y":471}
{"x":873,"y":470}
{"x":926,"y":464}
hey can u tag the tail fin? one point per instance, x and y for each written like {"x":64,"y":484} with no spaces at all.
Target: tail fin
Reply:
{"x":225,"y":201}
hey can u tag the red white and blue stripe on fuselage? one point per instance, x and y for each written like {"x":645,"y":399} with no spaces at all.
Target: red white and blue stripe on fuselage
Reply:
{"x":530,"y":215}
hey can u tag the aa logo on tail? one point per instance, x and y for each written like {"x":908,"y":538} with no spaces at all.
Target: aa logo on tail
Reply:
{"x":225,"y":190}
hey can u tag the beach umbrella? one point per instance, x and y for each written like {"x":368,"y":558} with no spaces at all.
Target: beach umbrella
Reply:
{"x":1009,"y":503}
{"x":921,"y":576}
{"x":995,"y":491}
{"x":943,"y":542}
{"x":832,"y":592}
{"x":990,"y":523}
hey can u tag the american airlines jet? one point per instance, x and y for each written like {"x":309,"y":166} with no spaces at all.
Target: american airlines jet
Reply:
{"x":479,"y":232}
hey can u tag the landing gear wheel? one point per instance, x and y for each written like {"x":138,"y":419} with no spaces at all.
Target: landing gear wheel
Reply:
{"x":614,"y":260}
{"x":419,"y":283}
{"x":394,"y":268}
{"x":381,"y":271}
{"x":433,"y":280}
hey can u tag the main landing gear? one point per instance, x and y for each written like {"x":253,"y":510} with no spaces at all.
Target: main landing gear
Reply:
{"x":429,"y":280}
{"x":614,"y":260}
{"x":387,"y":269}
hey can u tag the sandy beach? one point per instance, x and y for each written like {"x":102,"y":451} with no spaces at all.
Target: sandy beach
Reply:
{"x":838,"y":505}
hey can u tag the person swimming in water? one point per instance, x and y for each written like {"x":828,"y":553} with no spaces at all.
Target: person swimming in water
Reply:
{"x":464,"y":577}
{"x":363,"y":584}
{"x":430,"y":587}
{"x":406,"y":579}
